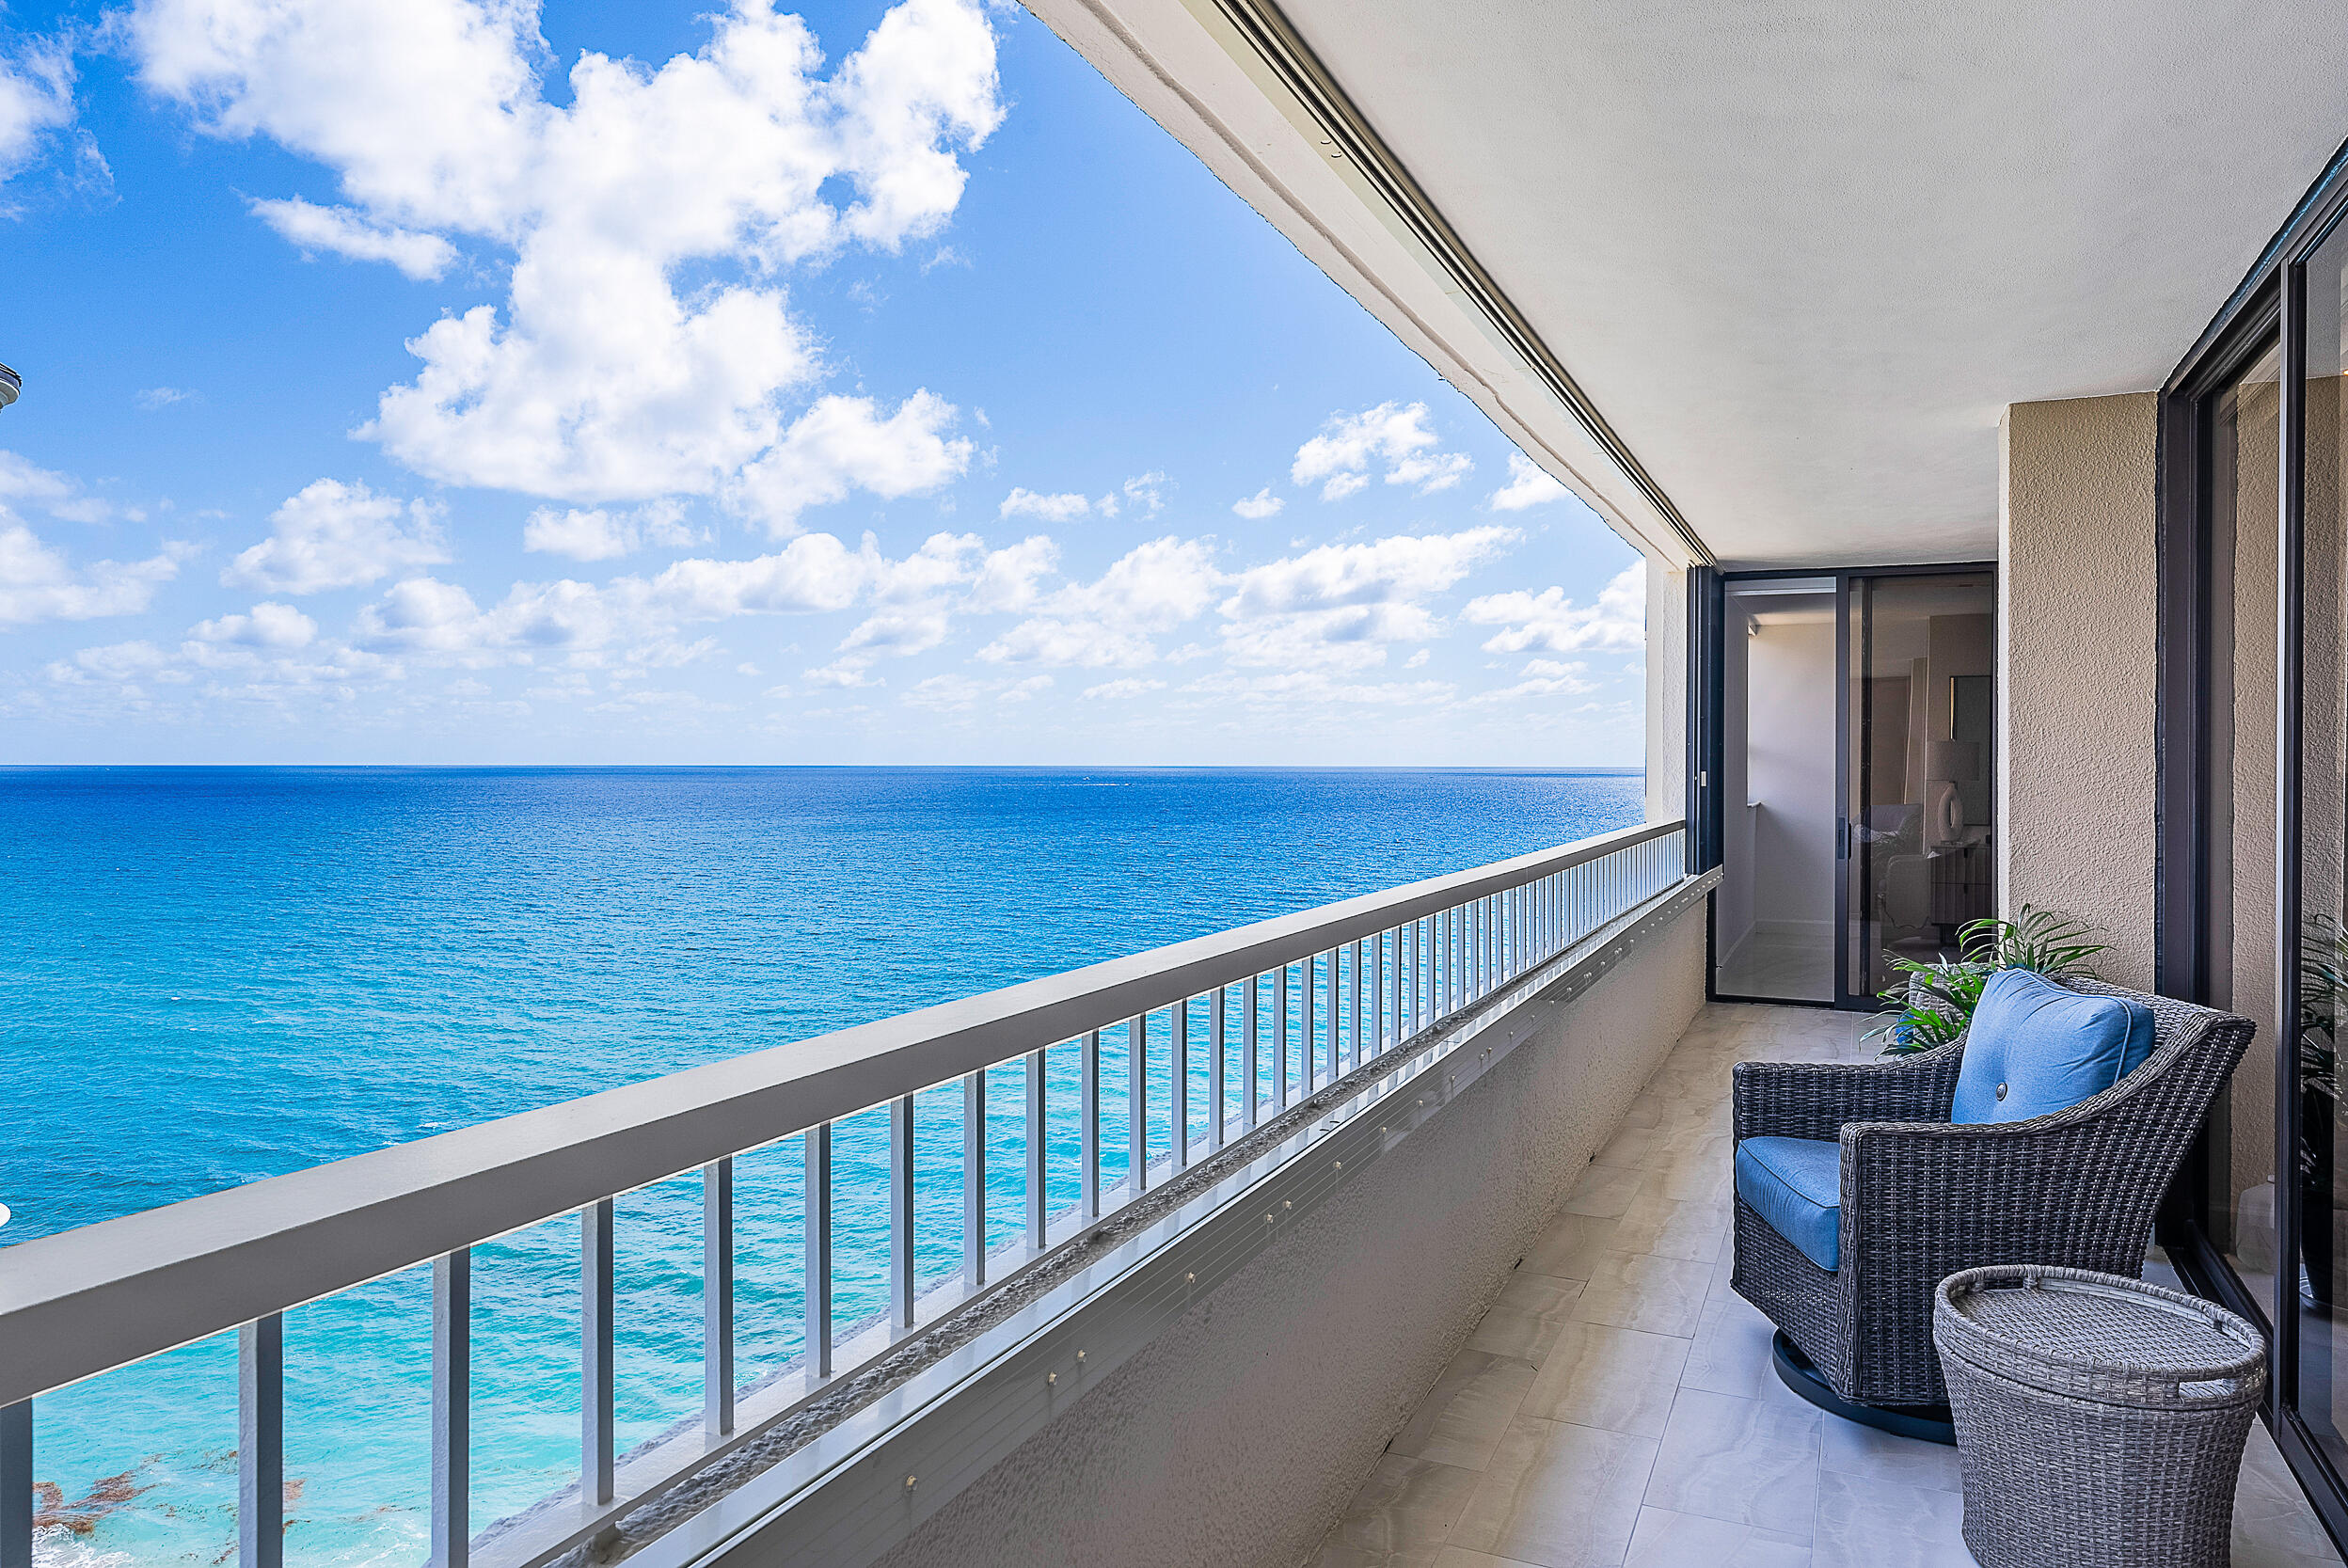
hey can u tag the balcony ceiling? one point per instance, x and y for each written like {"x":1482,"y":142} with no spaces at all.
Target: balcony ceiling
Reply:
{"x":1800,"y":256}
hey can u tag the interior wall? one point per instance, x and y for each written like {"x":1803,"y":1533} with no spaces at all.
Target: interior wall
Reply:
{"x":1237,"y":1438}
{"x":2077,"y":619}
{"x":1790,"y":754}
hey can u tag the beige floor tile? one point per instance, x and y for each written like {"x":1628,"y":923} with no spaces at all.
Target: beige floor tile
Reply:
{"x":1454,"y":1557}
{"x":1558,"y":1496}
{"x":1461,"y":1420}
{"x":1850,"y":1448}
{"x":1633,"y":1148}
{"x":1525,"y":1321}
{"x":1407,"y":1505}
{"x":1731,"y":1351}
{"x":1752,"y":1462}
{"x":1605,"y":1191}
{"x":1663,"y":1227}
{"x":1340,"y":1554}
{"x":1570,"y":1246}
{"x":1657,"y":1295}
{"x":1617,"y":1379}
{"x":1667,"y":1540}
{"x":1873,"y":1523}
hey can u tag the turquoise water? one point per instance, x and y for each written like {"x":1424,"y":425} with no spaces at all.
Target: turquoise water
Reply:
{"x":214,"y":975}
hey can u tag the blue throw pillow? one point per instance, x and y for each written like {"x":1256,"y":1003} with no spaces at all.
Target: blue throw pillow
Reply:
{"x":2036,"y":1047}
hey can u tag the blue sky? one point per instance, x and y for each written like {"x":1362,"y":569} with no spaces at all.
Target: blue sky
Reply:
{"x":444,"y":381}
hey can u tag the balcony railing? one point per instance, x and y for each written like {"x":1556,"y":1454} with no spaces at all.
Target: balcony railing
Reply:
{"x":1194,"y":1054}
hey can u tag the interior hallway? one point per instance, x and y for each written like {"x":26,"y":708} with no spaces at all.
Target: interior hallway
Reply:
{"x":1617,"y":1404}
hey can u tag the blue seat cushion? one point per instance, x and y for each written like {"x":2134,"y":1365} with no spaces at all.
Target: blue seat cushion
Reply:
{"x":2036,"y":1047}
{"x":1797,"y":1185}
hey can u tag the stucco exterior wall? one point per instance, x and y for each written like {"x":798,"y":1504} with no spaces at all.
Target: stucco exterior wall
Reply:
{"x":1237,"y":1438}
{"x":1666,"y":691}
{"x":2076,"y":620}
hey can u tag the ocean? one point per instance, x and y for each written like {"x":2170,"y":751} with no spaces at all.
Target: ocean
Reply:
{"x":217,"y":974}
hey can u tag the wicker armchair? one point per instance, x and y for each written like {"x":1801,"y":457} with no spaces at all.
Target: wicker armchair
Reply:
{"x":1922,"y":1198}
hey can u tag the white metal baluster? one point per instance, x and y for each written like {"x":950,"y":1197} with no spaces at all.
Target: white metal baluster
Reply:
{"x":1377,"y":995}
{"x":594,"y":1353}
{"x":1309,"y":1047}
{"x":1252,"y":1053}
{"x":816,"y":1233}
{"x":1279,"y":1016}
{"x":16,"y":1484}
{"x":901,"y":1212}
{"x":1362,"y":1050}
{"x":451,"y":1407}
{"x":1088,"y":1124}
{"x":717,"y":1298}
{"x":975,"y":1180}
{"x":1329,"y":1001}
{"x":1217,"y":1090}
{"x":1136,"y":1106}
{"x":261,"y":1443}
{"x":1180,"y":1085}
{"x":1036,"y":1151}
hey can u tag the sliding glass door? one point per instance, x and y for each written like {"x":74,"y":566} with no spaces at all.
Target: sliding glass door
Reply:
{"x":2254,"y":808}
{"x":1858,"y":815}
{"x":1917,"y":770}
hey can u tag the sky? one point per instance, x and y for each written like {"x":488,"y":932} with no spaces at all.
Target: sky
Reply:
{"x":470,"y":380}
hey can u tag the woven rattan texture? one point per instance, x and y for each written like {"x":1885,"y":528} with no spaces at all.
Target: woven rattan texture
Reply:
{"x":2136,"y":1461}
{"x":1923,"y":1199}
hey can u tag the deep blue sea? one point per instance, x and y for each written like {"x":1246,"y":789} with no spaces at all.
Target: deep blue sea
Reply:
{"x":210,"y":976}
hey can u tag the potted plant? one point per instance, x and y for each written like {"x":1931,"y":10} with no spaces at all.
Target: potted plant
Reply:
{"x":1934,"y":1005}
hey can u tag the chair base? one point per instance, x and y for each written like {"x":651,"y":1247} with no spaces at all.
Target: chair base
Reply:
{"x":1928,"y":1423}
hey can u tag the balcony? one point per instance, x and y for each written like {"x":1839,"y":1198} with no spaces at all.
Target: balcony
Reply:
{"x":1617,"y":1402}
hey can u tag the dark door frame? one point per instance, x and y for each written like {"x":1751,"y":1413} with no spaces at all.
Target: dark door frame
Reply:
{"x":1707,"y":600}
{"x":2266,"y":309}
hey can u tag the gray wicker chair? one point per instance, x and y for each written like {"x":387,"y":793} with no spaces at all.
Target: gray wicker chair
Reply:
{"x":1922,"y":1198}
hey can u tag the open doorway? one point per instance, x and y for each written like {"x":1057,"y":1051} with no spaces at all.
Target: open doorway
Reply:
{"x":1774,"y":936}
{"x":1856,"y":811}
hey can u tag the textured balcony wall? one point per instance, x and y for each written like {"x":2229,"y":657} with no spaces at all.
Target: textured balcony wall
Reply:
{"x":2077,"y":619}
{"x":1239,"y":1437}
{"x":1667,"y":690}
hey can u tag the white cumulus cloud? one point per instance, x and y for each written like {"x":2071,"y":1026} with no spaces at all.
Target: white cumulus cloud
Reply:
{"x":1264,"y":503}
{"x":1339,"y":606}
{"x":1529,"y":484}
{"x":38,"y":583}
{"x":338,"y":535}
{"x":1113,"y":619}
{"x":617,"y":368}
{"x":35,"y":98}
{"x":599,"y":534}
{"x":1394,"y":436}
{"x":269,"y":626}
{"x":842,"y":444}
{"x":1061,"y":508}
{"x":1552,"y":622}
{"x":361,"y":239}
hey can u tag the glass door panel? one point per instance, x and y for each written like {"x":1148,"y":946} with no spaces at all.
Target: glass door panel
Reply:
{"x":2245,"y":460}
{"x":2322,"y":1394}
{"x":1773,"y":922}
{"x":1920,"y":717}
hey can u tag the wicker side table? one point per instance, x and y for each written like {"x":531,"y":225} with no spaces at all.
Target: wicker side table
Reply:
{"x":2100,"y":1420}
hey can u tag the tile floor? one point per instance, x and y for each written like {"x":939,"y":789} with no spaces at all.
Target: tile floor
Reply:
{"x":1617,"y":1405}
